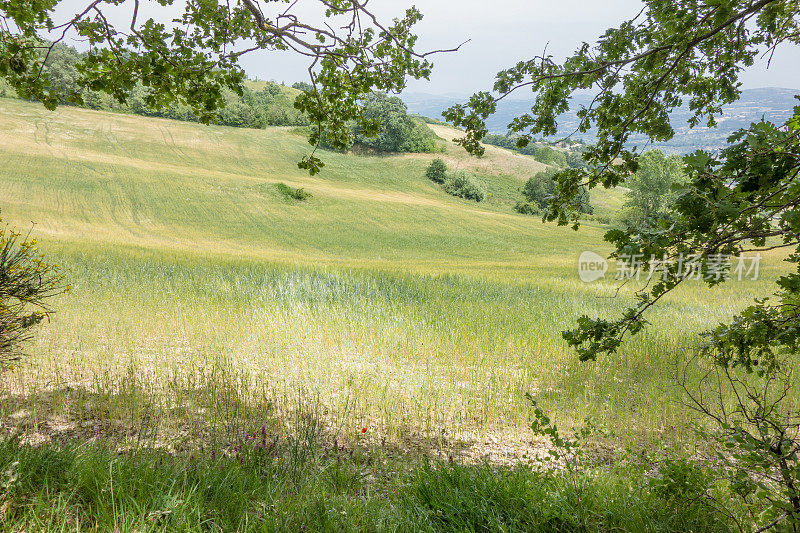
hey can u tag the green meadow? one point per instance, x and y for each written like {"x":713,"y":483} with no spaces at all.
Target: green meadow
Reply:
{"x":205,"y":303}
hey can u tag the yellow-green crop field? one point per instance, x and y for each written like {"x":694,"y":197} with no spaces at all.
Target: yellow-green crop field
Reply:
{"x":204,"y":301}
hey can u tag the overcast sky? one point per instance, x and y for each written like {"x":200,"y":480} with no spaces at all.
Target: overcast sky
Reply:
{"x":501,"y":32}
{"x":505,"y":31}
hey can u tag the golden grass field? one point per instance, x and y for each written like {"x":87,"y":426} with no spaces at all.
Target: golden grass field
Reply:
{"x":203,"y":299}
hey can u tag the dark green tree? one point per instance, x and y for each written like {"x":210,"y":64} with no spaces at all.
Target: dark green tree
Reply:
{"x":389,"y":128}
{"x":436,"y":171}
{"x":302,"y":86}
{"x":540,"y":189}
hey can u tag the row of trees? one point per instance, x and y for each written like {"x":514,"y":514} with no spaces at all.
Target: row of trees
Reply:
{"x":269,"y":106}
{"x":539,"y":150}
{"x":387,"y":126}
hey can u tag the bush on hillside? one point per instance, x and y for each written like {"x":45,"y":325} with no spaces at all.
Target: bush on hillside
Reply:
{"x":464,"y":185}
{"x":527,"y":208}
{"x":436,"y":171}
{"x":290,"y":193}
{"x":26,"y":283}
{"x":540,"y":188}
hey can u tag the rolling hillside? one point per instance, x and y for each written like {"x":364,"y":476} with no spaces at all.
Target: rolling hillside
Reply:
{"x":382,"y":300}
{"x":88,"y":176}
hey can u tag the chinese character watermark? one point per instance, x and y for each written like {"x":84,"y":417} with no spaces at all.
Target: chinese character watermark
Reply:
{"x":714,"y":267}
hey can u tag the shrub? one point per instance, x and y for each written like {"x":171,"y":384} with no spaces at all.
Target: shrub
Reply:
{"x":464,"y":185}
{"x":527,"y":208}
{"x":303,"y":86}
{"x":290,"y":193}
{"x":539,"y":189}
{"x":26,"y":283}
{"x":436,"y":171}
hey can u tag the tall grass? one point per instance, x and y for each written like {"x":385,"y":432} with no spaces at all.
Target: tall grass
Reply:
{"x":205,"y":304}
{"x":216,"y":346}
{"x":93,"y":488}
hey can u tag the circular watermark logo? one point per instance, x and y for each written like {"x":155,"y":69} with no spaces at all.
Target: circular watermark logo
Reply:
{"x":591,"y":266}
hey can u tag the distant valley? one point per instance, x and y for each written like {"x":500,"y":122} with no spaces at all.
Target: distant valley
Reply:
{"x":774,"y":104}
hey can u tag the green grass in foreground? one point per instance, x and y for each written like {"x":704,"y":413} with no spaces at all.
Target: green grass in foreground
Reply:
{"x":298,"y":486}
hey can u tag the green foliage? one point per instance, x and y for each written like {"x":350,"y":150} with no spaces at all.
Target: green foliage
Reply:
{"x":191,"y":58}
{"x":387,"y":127}
{"x":680,"y":480}
{"x":257,"y":486}
{"x":574,"y":158}
{"x":27,"y":281}
{"x":526,"y":208}
{"x":566,"y":448}
{"x":674,"y":52}
{"x":290,"y":193}
{"x":732,"y":202}
{"x":436,"y":171}
{"x":653,"y":189}
{"x":539,"y":150}
{"x":743,"y":199}
{"x":549,"y":156}
{"x":540,"y":189}
{"x":303,"y":86}
{"x":268,"y":106}
{"x":752,"y":441}
{"x":464,"y":185}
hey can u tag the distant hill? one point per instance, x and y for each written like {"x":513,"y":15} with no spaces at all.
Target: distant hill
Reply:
{"x":774,"y":104}
{"x":96,"y":179}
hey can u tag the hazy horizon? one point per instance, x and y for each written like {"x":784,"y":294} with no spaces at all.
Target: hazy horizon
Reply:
{"x":507,"y":31}
{"x":500,"y":34}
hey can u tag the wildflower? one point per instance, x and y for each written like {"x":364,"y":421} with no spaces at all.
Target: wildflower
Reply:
{"x":363,"y":430}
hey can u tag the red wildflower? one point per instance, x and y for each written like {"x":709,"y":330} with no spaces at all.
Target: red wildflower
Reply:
{"x":363,"y":430}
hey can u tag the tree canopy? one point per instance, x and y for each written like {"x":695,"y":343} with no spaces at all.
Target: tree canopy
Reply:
{"x":191,"y":60}
{"x":743,"y":199}
{"x":397,"y":132}
{"x":653,"y":188}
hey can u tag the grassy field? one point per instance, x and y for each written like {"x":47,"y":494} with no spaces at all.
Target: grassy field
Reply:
{"x":205,"y":303}
{"x":297,"y":488}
